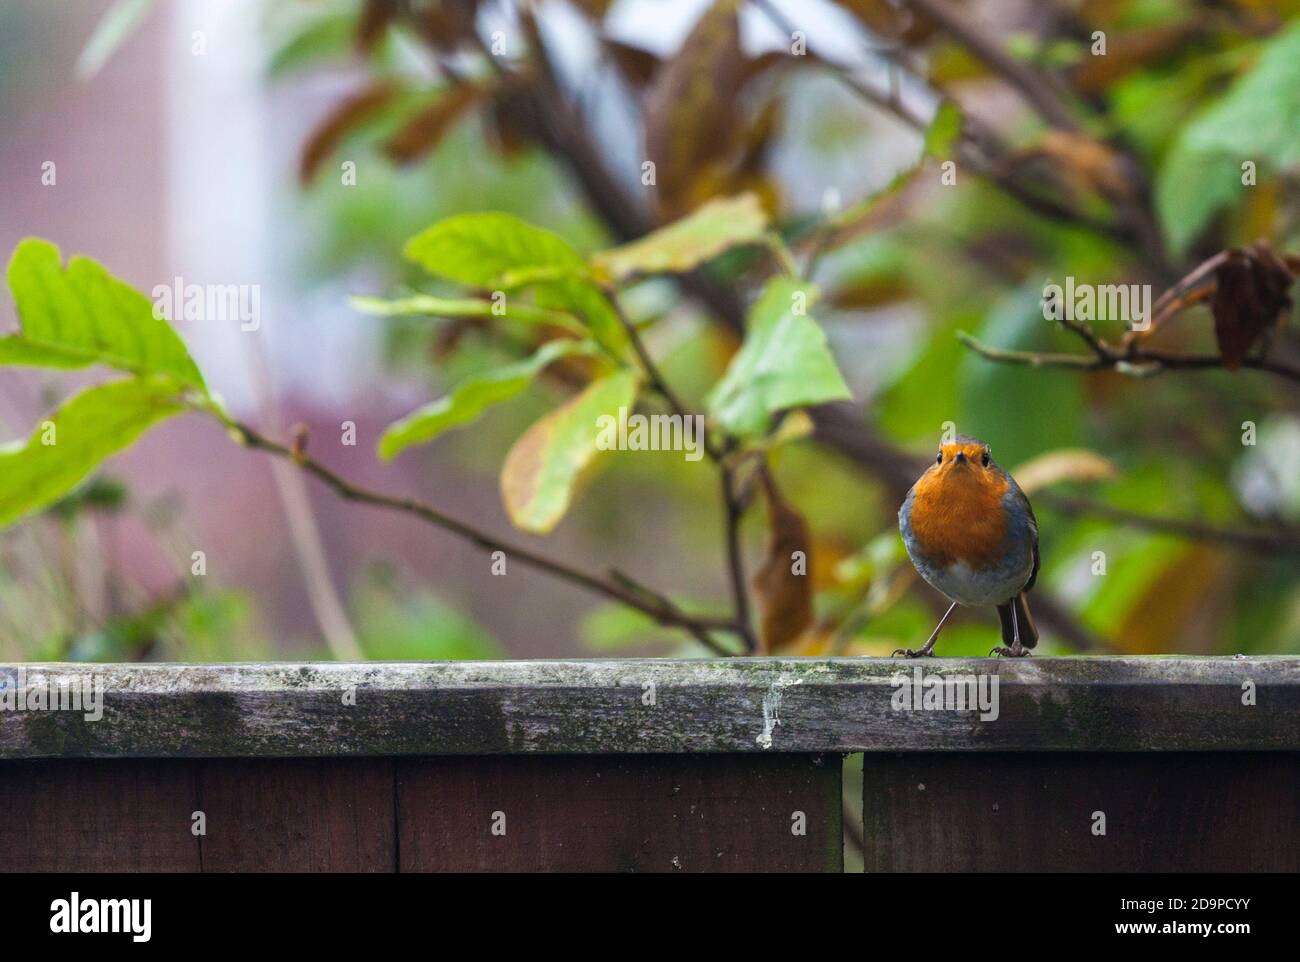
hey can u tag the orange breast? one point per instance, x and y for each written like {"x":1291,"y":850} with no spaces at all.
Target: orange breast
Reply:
{"x":957,"y":515}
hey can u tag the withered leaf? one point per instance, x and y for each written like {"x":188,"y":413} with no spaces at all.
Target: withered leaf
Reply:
{"x":892,"y":21}
{"x":509,"y":122}
{"x":596,"y":9}
{"x":354,"y":111}
{"x":373,"y":21}
{"x":445,"y":24}
{"x":637,"y":65}
{"x":1252,"y":295}
{"x":1090,"y":163}
{"x":783,"y":584}
{"x":423,"y":131}
{"x":691,"y":109}
{"x":1128,"y":52}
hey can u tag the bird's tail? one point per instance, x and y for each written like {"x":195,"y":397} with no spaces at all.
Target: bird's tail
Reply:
{"x":1024,"y":621}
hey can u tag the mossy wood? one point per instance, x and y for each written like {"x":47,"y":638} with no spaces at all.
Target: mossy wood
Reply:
{"x":741,"y":705}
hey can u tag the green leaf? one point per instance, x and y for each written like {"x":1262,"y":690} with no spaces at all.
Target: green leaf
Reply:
{"x":418,"y":626}
{"x":1193,"y":187}
{"x":91,"y":426}
{"x":681,"y":246}
{"x":944,"y":131}
{"x":84,"y":315}
{"x":500,"y":251}
{"x":324,"y":38}
{"x":426,"y":305}
{"x":541,"y":470}
{"x":477,"y":249}
{"x":471,"y":398}
{"x":117,"y":24}
{"x":1253,"y":121}
{"x":616,"y":627}
{"x":784,"y":362}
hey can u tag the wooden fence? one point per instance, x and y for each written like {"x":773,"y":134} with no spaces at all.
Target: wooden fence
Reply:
{"x":653,"y":765}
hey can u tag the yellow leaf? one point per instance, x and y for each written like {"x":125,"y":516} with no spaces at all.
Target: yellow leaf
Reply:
{"x":683,"y":245}
{"x":1065,"y":464}
{"x":543,"y":468}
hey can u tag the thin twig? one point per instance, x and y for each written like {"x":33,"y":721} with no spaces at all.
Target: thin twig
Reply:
{"x":700,"y":634}
{"x":1132,"y":360}
{"x":1039,"y":88}
{"x":735,"y":510}
{"x":976,"y":141}
{"x":650,"y":603}
{"x":732,"y":501}
{"x":1285,"y":539}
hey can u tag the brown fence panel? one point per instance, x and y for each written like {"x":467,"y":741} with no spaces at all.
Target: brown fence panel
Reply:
{"x":1160,"y":812}
{"x":298,"y":815}
{"x":657,"y":813}
{"x":78,"y":815}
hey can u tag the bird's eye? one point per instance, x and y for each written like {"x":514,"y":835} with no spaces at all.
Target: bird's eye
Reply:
{"x":938,"y":458}
{"x":984,"y":459}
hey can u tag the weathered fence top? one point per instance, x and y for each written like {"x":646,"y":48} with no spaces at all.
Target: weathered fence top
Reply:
{"x":653,"y":705}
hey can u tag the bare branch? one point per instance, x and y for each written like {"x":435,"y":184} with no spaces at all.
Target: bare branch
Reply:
{"x":1267,"y":540}
{"x":1039,"y":88}
{"x":1132,"y":360}
{"x":642,"y":599}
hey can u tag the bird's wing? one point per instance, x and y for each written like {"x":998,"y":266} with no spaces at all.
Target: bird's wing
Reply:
{"x":1023,"y":502}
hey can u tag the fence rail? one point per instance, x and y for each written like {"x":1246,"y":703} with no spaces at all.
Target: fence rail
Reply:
{"x":651,"y":764}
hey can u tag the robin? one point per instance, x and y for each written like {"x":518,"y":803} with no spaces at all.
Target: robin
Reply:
{"x":971,"y":533}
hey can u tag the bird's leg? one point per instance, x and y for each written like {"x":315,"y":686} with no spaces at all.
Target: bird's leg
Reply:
{"x":926,"y":650}
{"x":1016,"y":650}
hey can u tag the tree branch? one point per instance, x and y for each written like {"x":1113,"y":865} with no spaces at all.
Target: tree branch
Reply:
{"x":1039,"y":88}
{"x":650,"y":603}
{"x":733,"y":503}
{"x":1133,"y":360}
{"x":1267,"y":540}
{"x":976,"y":142}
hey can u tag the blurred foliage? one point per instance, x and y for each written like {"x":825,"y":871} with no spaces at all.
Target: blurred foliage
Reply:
{"x":791,"y":178}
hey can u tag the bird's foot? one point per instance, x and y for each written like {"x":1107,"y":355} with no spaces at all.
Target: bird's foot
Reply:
{"x":913,"y":653}
{"x":1016,"y":651}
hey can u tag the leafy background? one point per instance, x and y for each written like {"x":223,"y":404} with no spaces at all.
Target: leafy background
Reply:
{"x":224,"y":168}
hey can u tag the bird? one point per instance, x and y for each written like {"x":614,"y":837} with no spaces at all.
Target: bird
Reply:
{"x":971,"y":534}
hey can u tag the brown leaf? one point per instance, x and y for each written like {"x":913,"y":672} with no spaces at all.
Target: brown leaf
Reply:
{"x":1128,"y":52}
{"x":783,"y":584}
{"x":893,"y":21}
{"x":870,"y":294}
{"x":375,"y":17}
{"x":1252,"y":295}
{"x":1091,"y":163}
{"x":509,"y":121}
{"x":691,"y":116}
{"x":445,"y":24}
{"x":638,"y":66}
{"x":354,"y":111}
{"x":596,"y":9}
{"x":1173,"y":603}
{"x":1196,"y":286}
{"x":423,"y":132}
